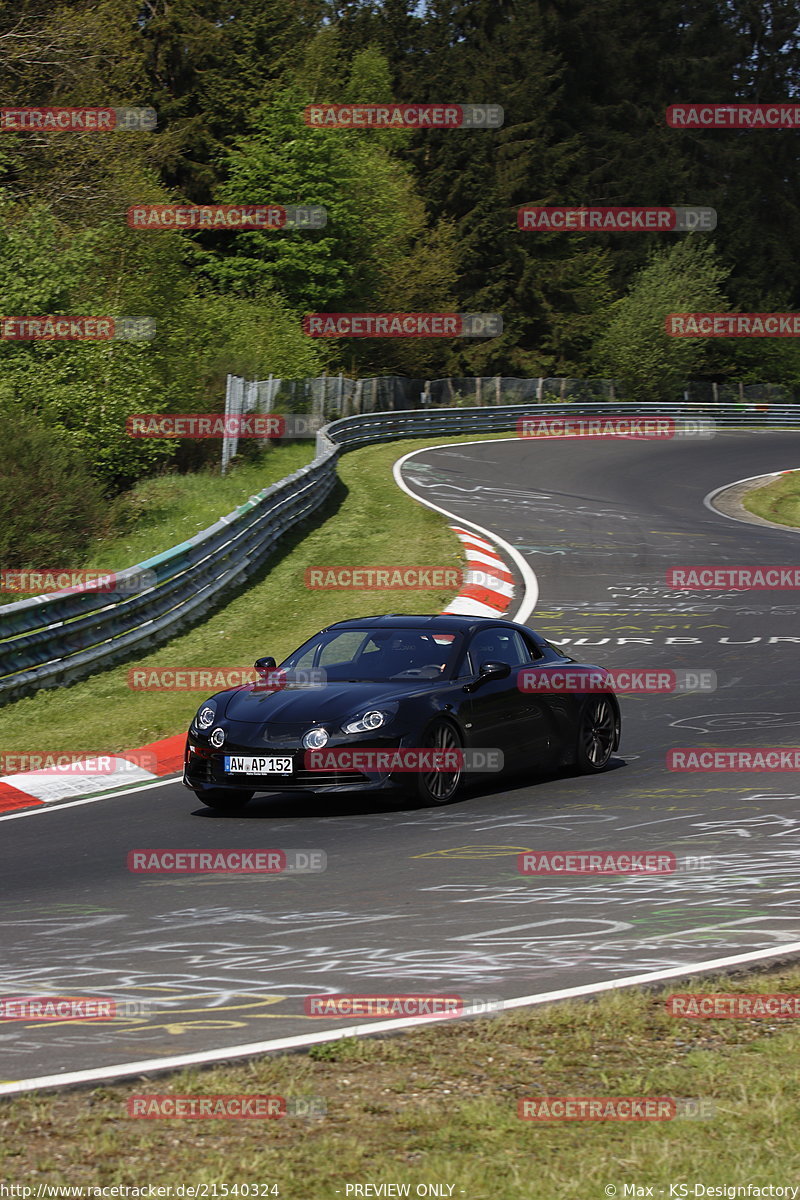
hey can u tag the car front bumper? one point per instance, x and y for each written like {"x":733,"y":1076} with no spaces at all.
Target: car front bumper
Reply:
{"x":205,"y":770}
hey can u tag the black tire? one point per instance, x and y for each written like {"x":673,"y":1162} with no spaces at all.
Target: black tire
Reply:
{"x":225,"y":799}
{"x":440,"y":787}
{"x":597,"y":734}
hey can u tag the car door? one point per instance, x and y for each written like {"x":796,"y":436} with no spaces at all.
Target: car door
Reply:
{"x":499,"y":713}
{"x":551,"y":679}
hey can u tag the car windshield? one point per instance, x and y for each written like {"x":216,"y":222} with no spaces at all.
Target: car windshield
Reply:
{"x":377,"y":655}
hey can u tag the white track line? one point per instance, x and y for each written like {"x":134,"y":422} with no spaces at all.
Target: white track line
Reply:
{"x":251,"y":1049}
{"x":530,"y":592}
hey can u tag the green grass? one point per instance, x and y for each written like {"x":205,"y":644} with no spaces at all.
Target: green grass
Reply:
{"x":778,"y":501}
{"x":163,"y":511}
{"x":369,"y":521}
{"x":439,"y":1104}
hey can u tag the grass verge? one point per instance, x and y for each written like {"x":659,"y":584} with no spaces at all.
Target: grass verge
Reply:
{"x":439,"y":1105}
{"x":778,"y":501}
{"x":369,"y":521}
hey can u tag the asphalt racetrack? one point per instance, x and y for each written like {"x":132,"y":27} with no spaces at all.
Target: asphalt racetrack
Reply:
{"x":430,"y":900}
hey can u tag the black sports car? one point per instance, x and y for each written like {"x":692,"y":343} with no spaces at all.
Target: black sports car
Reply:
{"x":352,"y":707}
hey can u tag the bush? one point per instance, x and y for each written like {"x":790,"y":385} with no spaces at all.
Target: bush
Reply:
{"x":50,"y":506}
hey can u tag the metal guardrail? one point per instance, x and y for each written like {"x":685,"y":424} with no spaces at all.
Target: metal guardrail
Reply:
{"x":55,"y":640}
{"x":376,"y":427}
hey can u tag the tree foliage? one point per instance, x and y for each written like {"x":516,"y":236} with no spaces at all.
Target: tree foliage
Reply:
{"x":420,"y":221}
{"x":635,"y":347}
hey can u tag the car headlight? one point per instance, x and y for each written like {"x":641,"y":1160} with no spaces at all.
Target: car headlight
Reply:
{"x":315,"y":739}
{"x":366,"y":722}
{"x":205,"y":717}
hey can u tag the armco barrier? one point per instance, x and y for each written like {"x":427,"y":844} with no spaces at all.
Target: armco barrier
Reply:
{"x":51,"y":641}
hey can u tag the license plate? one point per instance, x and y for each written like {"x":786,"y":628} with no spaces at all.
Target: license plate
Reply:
{"x":269,"y":764}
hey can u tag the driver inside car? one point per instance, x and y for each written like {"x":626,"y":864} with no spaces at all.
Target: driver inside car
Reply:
{"x":417,"y":653}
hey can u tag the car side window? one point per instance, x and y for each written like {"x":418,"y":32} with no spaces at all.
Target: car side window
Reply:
{"x":498,"y":645}
{"x":536,"y":652}
{"x":550,"y":652}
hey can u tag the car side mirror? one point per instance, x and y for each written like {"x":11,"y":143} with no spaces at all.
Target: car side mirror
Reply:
{"x":262,"y":665}
{"x":487,"y":671}
{"x":494,"y":670}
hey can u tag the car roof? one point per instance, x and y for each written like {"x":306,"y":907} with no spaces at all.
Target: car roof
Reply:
{"x":454,"y":622}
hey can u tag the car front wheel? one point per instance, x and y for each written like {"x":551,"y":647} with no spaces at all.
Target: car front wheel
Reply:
{"x":440,"y":787}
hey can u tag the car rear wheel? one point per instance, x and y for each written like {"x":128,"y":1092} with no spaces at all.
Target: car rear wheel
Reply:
{"x":225,"y":799}
{"x":440,"y":787}
{"x":597,"y":731}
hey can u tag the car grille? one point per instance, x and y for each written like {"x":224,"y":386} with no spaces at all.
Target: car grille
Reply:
{"x":311,"y":780}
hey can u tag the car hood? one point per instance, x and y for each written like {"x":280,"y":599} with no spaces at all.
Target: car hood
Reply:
{"x":315,"y":705}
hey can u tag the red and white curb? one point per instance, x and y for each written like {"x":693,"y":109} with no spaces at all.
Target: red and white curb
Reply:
{"x":489,"y":585}
{"x":73,"y":780}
